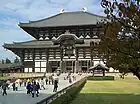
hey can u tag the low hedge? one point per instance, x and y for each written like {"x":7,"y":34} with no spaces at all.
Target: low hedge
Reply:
{"x":70,"y":93}
{"x":101,"y":78}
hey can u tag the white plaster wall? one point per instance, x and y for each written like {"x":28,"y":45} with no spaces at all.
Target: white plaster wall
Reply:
{"x":30,"y":69}
{"x":25,"y":69}
{"x":37,"y":69}
{"x":37,"y":64}
{"x":43,"y":64}
{"x":43,"y":69}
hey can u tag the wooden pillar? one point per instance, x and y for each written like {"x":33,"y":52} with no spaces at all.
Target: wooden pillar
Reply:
{"x":54,"y":52}
{"x":22,"y":59}
{"x":87,"y":65}
{"x":33,"y":70}
{"x":91,"y":62}
{"x":76,"y":61}
{"x":103,"y":72}
{"x":84,"y":55}
{"x":47,"y":60}
{"x":73,"y":69}
{"x":61,"y":61}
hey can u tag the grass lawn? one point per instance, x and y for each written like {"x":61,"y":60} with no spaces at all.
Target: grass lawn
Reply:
{"x":119,"y":91}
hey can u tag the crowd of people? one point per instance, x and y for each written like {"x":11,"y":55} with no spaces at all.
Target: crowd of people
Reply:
{"x":33,"y":85}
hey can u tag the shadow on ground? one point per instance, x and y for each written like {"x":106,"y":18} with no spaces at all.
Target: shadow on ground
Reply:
{"x":106,"y":98}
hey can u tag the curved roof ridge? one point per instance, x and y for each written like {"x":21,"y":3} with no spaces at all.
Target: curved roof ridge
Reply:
{"x":61,"y":14}
{"x":24,"y":42}
{"x":41,"y":19}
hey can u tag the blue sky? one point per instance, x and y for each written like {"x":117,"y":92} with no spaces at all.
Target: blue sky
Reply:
{"x":14,"y":11}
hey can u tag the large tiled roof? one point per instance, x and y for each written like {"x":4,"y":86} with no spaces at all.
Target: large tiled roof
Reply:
{"x":99,"y":66}
{"x":43,"y":44}
{"x":31,"y":44}
{"x":66,"y":19}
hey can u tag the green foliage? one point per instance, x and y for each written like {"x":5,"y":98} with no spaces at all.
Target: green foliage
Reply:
{"x":16,"y":60}
{"x":8,"y":61}
{"x":120,"y":44}
{"x":70,"y":94}
{"x":100,"y":78}
{"x":2,"y":61}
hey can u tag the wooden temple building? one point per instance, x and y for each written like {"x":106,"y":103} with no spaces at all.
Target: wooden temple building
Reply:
{"x":62,"y":40}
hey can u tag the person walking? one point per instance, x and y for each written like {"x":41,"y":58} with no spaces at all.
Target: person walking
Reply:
{"x":42,"y":84}
{"x":20,"y":82}
{"x":0,"y":88}
{"x":34,"y":89}
{"x":28,"y":87}
{"x":38,"y":88}
{"x":46,"y":80}
{"x":50,"y":80}
{"x":69,"y":77}
{"x":24,"y":81}
{"x":8,"y":84}
{"x":56,"y":79}
{"x":4,"y":86}
{"x":13,"y":85}
{"x":16,"y":86}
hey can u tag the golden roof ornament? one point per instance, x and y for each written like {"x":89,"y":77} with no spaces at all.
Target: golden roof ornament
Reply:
{"x":84,"y":9}
{"x":62,"y":10}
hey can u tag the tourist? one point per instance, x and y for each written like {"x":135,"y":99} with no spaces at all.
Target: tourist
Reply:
{"x":28,"y":80}
{"x":16,"y":86}
{"x":0,"y":88}
{"x":56,"y":79}
{"x":46,"y":80}
{"x":74,"y":76}
{"x":28,"y":87}
{"x":38,"y":88}
{"x":34,"y":89}
{"x":4,"y":86}
{"x":20,"y":82}
{"x":24,"y":81}
{"x":50,"y":80}
{"x":42,"y":84}
{"x":13,"y":85}
{"x":8,"y":84}
{"x":65,"y":78}
{"x":69,"y":78}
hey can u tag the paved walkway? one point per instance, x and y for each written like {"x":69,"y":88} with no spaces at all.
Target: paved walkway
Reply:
{"x":20,"y":97}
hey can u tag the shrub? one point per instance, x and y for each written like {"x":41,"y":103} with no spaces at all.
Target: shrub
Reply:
{"x":70,"y":93}
{"x":101,"y":78}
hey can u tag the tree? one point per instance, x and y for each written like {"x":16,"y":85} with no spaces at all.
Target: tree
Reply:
{"x":120,"y":44}
{"x":16,"y":60}
{"x":2,"y":61}
{"x":8,"y":61}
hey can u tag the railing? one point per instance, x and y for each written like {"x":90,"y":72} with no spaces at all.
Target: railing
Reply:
{"x":51,"y":98}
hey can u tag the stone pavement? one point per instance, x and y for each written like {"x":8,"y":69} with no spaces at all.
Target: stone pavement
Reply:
{"x":20,"y":96}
